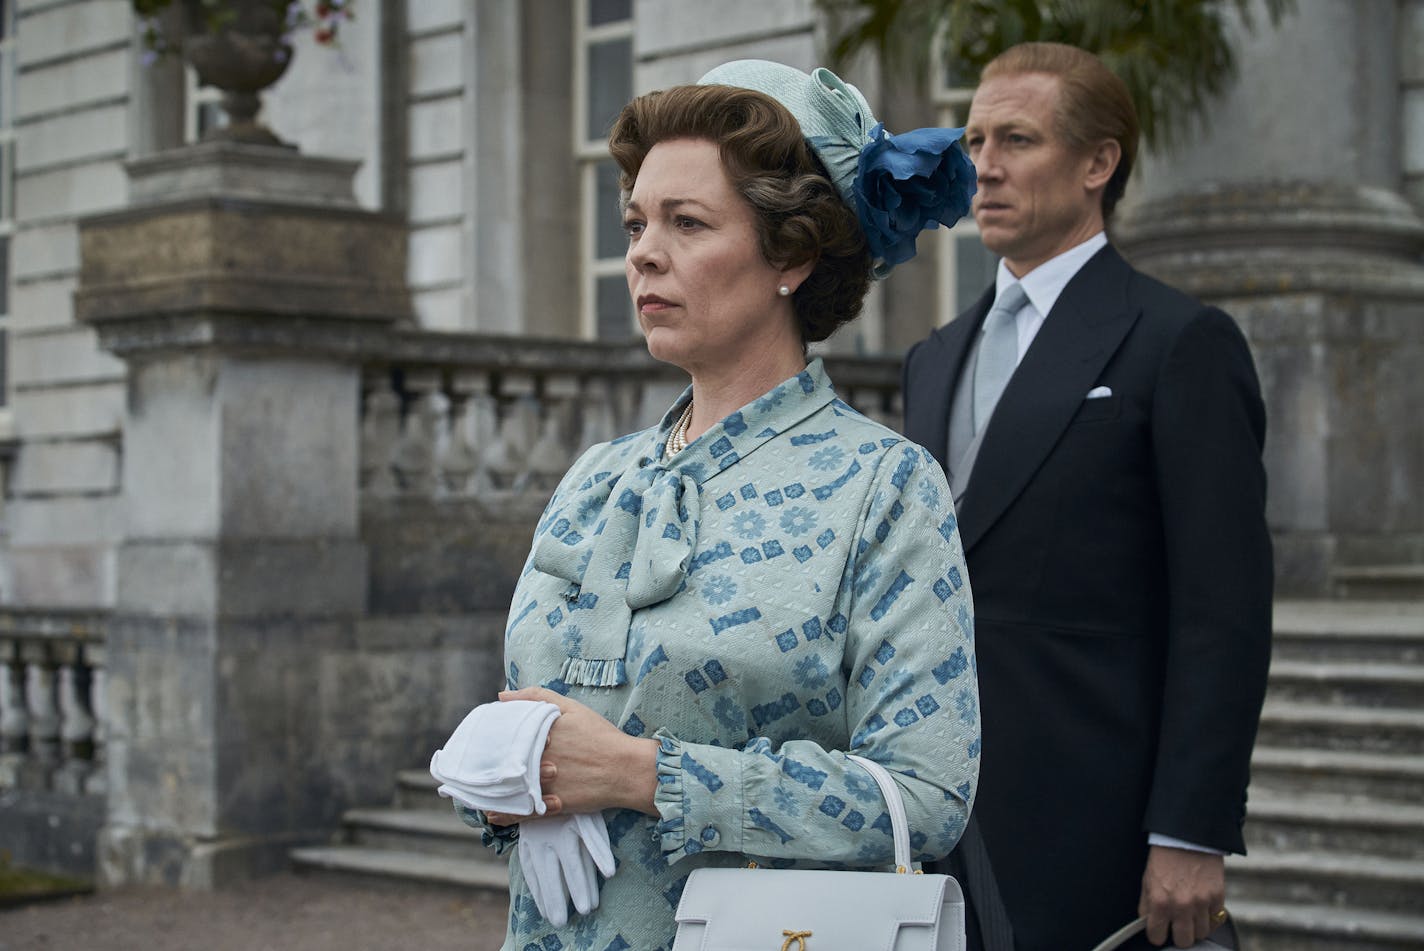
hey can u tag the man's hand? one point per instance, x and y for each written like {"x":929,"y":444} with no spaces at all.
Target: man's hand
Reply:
{"x":1181,"y":891}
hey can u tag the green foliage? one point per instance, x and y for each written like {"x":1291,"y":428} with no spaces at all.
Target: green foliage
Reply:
{"x":1175,"y":56}
{"x":18,"y":885}
{"x":324,"y":17}
{"x":215,"y":14}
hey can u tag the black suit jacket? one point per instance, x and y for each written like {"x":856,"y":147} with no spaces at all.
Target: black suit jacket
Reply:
{"x":1121,"y":571}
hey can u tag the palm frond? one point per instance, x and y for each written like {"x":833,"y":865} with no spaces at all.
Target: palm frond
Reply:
{"x":1176,"y":56}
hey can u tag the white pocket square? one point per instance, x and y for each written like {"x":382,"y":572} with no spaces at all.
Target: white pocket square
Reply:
{"x":1098,"y":392}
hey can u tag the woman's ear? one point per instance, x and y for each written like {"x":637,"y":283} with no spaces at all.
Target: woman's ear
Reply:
{"x":794,"y":276}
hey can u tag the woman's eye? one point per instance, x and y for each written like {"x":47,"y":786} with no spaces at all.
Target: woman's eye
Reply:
{"x":685,"y":223}
{"x":632,"y":228}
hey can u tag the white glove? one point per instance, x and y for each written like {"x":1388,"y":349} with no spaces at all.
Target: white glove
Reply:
{"x":491,"y":761}
{"x":558,"y":857}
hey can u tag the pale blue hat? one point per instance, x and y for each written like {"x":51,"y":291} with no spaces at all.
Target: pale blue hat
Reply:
{"x":834,"y":116}
{"x":897,"y":185}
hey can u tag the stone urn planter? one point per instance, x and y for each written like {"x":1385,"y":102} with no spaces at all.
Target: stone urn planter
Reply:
{"x":241,"y":51}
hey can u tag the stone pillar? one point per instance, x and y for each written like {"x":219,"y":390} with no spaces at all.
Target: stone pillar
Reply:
{"x":1290,"y":212}
{"x":238,"y":287}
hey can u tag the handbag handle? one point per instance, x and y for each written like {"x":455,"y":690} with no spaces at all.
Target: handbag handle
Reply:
{"x":1119,"y":937}
{"x":899,"y":824}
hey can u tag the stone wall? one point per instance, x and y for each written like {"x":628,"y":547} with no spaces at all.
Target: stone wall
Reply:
{"x":54,"y":832}
{"x":285,"y":725}
{"x":72,"y":124}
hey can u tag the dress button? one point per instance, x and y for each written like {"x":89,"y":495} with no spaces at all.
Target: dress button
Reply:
{"x":710,"y":835}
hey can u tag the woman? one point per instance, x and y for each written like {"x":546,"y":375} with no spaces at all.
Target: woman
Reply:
{"x":724,"y":605}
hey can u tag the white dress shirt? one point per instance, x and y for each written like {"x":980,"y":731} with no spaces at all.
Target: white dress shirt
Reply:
{"x":1044,"y":284}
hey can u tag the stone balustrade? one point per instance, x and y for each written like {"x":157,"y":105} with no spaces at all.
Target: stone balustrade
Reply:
{"x":459,"y":415}
{"x":52,"y":681}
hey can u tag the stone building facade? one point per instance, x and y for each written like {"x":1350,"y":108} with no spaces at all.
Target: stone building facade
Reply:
{"x":406,"y":448}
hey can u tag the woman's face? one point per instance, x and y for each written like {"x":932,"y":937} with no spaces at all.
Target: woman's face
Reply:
{"x":706,"y":298}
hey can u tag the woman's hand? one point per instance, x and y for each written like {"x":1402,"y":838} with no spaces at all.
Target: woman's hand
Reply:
{"x":551,"y":804}
{"x":589,"y":764}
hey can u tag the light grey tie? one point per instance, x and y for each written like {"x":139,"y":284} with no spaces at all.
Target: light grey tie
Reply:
{"x":998,"y":352}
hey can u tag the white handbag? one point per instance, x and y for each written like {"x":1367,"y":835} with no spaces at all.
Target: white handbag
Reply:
{"x":762,"y":909}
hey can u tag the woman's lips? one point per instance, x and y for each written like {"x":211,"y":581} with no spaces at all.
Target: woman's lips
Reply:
{"x":652,"y":303}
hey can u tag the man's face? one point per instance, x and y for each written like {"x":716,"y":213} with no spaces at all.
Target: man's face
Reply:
{"x":1037,"y":197}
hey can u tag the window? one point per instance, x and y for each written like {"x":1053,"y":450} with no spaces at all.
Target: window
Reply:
{"x":203,"y":110}
{"x":966,"y":267}
{"x":7,"y":178}
{"x":603,"y":83}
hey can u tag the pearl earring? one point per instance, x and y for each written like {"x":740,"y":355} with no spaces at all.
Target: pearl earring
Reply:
{"x":784,"y":291}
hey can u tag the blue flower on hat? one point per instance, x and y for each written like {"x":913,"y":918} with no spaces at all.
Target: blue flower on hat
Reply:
{"x":906,"y":183}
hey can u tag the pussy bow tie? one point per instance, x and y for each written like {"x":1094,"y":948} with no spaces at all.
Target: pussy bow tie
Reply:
{"x":634,"y":556}
{"x":624,"y":540}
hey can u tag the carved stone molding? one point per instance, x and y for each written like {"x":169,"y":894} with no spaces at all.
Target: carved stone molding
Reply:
{"x":1278,"y":238}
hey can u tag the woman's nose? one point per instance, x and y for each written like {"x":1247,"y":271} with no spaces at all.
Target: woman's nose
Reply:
{"x":645,"y":253}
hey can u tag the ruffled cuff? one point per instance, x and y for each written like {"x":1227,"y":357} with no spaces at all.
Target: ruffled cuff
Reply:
{"x":500,"y":838}
{"x":699,"y":798}
{"x":668,"y":799}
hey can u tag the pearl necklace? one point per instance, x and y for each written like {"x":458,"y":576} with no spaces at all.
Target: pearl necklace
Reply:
{"x":677,"y":438}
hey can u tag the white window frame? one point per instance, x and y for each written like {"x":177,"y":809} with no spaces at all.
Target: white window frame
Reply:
{"x":196,"y":98}
{"x":589,"y":153}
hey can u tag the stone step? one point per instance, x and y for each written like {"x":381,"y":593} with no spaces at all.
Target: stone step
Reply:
{"x":414,"y":830}
{"x":1391,"y":582}
{"x":1336,"y":824}
{"x":1362,"y":631}
{"x":1381,"y":777}
{"x":405,"y":866}
{"x":1327,"y":880}
{"x":415,"y":789}
{"x":1274,"y":926}
{"x":1348,"y":684}
{"x":1315,"y":726}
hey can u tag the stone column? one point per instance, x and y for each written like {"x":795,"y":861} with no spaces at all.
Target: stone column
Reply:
{"x":238,"y":287}
{"x":1291,"y":212}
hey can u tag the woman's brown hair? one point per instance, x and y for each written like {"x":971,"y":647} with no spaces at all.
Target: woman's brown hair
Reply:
{"x":800,"y":215}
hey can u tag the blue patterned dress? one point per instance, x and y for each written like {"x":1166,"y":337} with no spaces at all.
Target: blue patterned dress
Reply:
{"x":788,"y":588}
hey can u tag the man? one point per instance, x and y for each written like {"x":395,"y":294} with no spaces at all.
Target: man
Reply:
{"x":1102,"y":434}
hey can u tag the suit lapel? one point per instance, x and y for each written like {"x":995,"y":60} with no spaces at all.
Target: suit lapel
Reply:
{"x":1080,"y":335}
{"x":933,"y":390}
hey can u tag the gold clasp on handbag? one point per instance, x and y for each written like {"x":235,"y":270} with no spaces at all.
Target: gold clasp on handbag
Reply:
{"x":798,"y":936}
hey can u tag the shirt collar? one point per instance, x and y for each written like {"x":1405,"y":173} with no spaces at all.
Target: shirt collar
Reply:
{"x":1045,"y":283}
